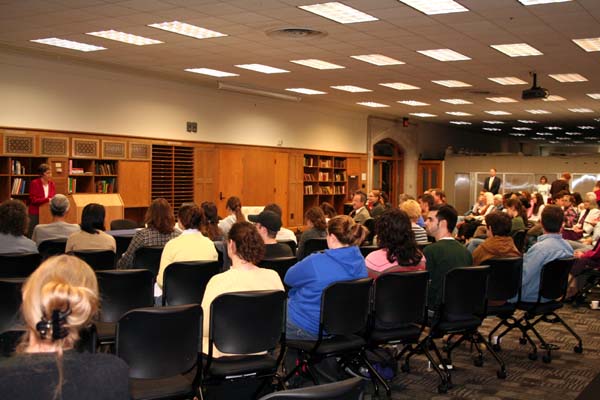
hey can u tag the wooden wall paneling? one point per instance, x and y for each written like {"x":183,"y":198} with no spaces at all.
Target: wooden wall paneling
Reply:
{"x":52,"y":146}
{"x":134,"y":179}
{"x":258,"y":186}
{"x":231,"y":177}
{"x":206,"y":172}
{"x":281,"y":184}
{"x":295,"y":190}
{"x":114,"y":149}
{"x":85,"y":148}
{"x":19,"y":144}
{"x":60,"y":172}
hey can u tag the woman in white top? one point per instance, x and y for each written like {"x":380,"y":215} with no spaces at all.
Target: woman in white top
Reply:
{"x":543,"y":188}
{"x":537,"y":206}
{"x":234,"y":208}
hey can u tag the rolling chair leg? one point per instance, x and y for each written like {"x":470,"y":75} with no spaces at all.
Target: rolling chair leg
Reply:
{"x":375,"y":377}
{"x":579,"y":347}
{"x":480,"y":339}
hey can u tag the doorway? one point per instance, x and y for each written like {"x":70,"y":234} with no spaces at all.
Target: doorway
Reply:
{"x":388,"y":169}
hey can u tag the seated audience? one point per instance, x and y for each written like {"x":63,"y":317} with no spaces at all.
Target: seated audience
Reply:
{"x":59,"y":299}
{"x":499,"y":243}
{"x":426,"y":202}
{"x":565,"y":200}
{"x":14,"y":223}
{"x":268,"y":224}
{"x":515,"y":210}
{"x":328,"y":210}
{"x":309,"y":277}
{"x":234,"y":211}
{"x":375,"y":203}
{"x":58,"y":228}
{"x":190,"y":245}
{"x":587,"y":220}
{"x":246,"y":250}
{"x":537,"y":206}
{"x":498,"y":202}
{"x":210,"y":223}
{"x":586,"y":260}
{"x":92,"y":235}
{"x":398,"y":251}
{"x":317,"y":229}
{"x":413,"y":210}
{"x":159,"y":230}
{"x":360,"y":212}
{"x":284,"y":234}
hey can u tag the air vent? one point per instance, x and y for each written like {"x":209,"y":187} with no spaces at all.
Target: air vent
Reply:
{"x":480,"y":92}
{"x":295,"y":33}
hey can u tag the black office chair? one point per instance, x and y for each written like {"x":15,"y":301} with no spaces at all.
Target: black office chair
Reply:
{"x":366,"y":250}
{"x":122,"y":224}
{"x":53,"y":247}
{"x":231,"y":315}
{"x":122,"y":244}
{"x":148,"y":258}
{"x":18,"y":265}
{"x":349,"y":389}
{"x":279,"y":265}
{"x":313,"y":246}
{"x":293,"y":245}
{"x":344,"y":315}
{"x":161,"y":347}
{"x":121,"y":291}
{"x":370,"y":225}
{"x":97,"y":259}
{"x":185,"y":282}
{"x":10,"y":302}
{"x":518,"y":238}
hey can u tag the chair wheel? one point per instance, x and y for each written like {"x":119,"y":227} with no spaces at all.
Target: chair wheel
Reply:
{"x":547,"y":358}
{"x":405,"y":368}
{"x":522,"y":340}
{"x":578,"y":349}
{"x":532,"y":356}
{"x":501,"y":374}
{"x":442,"y":388}
{"x":478,"y":361}
{"x":496,"y":347}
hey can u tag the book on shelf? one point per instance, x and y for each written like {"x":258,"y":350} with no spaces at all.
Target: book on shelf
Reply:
{"x":18,"y":186}
{"x":17,"y":168}
{"x":72,"y":185}
{"x":325,"y":163}
{"x":324,"y":176}
{"x":309,"y":162}
{"x":325,"y":190}
{"x":105,"y":186}
{"x":105,"y":169}
{"x":308,"y":189}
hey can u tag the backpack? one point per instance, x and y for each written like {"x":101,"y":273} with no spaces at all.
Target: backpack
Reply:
{"x":384,"y":362}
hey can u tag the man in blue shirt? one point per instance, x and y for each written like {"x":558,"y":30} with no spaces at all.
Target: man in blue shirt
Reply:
{"x":550,"y":246}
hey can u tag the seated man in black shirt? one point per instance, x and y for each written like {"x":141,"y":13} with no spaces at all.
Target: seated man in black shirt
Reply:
{"x":268,"y":224}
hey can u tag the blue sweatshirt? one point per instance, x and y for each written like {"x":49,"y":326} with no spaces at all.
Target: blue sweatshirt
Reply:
{"x":312,"y":275}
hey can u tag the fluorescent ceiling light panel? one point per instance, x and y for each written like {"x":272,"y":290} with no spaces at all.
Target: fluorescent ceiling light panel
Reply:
{"x":538,"y":111}
{"x":493,"y":122}
{"x":590,"y":138}
{"x":351,"y":88}
{"x":568,"y":77}
{"x":452,"y":83}
{"x":378,"y":59}
{"x":586,"y":127}
{"x":423,"y":115}
{"x":372,"y":104}
{"x":399,"y":86}
{"x":69,"y":44}
{"x":581,"y":110}
{"x":516,"y":134}
{"x":124,"y":37}
{"x":413,"y":103}
{"x":517,"y":49}
{"x":265,"y":69}
{"x":573,"y":133}
{"x":521,"y":128}
{"x":339,"y":12}
{"x":456,"y":101}
{"x":492,"y":129}
{"x":444,"y":55}
{"x":536,"y":2}
{"x":553,"y":141}
{"x":554,"y":128}
{"x":460,"y":122}
{"x":527,"y":121}
{"x":305,"y":91}
{"x":508,"y":80}
{"x":187,"y":30}
{"x":435,"y":7}
{"x":458,"y":113}
{"x":554,"y":97}
{"x":497,"y":112}
{"x":211,"y":72}
{"x":317,"y":64}
{"x":537,"y":138}
{"x":501,"y":99}
{"x":595,"y":96}
{"x":589,"y":44}
{"x":563,"y":138}
{"x":544,"y":133}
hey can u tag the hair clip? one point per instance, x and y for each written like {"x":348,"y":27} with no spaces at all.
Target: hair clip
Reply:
{"x":59,"y":318}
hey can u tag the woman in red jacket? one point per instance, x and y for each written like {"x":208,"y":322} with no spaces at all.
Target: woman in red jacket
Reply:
{"x":41,"y":191}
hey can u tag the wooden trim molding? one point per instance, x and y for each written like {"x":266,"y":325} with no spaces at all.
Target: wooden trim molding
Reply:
{"x":114,"y":149}
{"x":140,"y":151}
{"x":54,"y":146}
{"x":19,"y":144}
{"x":85,"y":148}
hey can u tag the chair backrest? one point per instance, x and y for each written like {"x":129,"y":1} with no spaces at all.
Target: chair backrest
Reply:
{"x":247,"y":322}
{"x":185,"y":282}
{"x":400,"y":298}
{"x":148,"y":258}
{"x":124,"y":290}
{"x":370,"y":225}
{"x":160,"y":342}
{"x":345,"y":307}
{"x":366,"y":250}
{"x":120,"y":224}
{"x":10,"y":302}
{"x":554,"y":278}
{"x":279,"y":265}
{"x":518,"y":238}
{"x":465,"y":291}
{"x":18,"y":265}
{"x":293,"y":245}
{"x":505,"y":278}
{"x":349,"y":389}
{"x":97,"y":259}
{"x":122,"y":244}
{"x":52,"y":247}
{"x":314,"y":245}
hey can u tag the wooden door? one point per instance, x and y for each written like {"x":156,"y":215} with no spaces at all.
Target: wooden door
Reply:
{"x":231,"y":169}
{"x":430,"y":175}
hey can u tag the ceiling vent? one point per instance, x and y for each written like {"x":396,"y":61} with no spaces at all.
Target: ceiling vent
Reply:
{"x":295,"y":33}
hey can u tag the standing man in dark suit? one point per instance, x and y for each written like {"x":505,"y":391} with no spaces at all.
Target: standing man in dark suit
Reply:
{"x":492,"y":183}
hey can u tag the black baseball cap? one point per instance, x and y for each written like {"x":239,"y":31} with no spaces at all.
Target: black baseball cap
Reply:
{"x":268,"y":219}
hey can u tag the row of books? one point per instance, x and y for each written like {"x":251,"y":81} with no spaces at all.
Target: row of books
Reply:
{"x":105,"y":169}
{"x":105,"y":186}
{"x":310,"y":189}
{"x":18,"y":186}
{"x":17,"y":168}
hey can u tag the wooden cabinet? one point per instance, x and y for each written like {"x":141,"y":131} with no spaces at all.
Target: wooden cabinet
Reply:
{"x":173,"y":174}
{"x":325,"y":180}
{"x":92,"y":176}
{"x":16,"y":174}
{"x":134,"y":183}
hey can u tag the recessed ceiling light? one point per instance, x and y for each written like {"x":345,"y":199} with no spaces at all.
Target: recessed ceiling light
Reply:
{"x":538,"y":111}
{"x":339,"y":12}
{"x":590,"y":138}
{"x":124,"y":37}
{"x":573,"y":133}
{"x":265,"y":69}
{"x":568,"y":77}
{"x":492,"y":129}
{"x":211,"y":72}
{"x":69,"y":44}
{"x":435,"y":7}
{"x":554,"y":128}
{"x":305,"y":91}
{"x":521,"y":128}
{"x":317,"y":64}
{"x":493,"y":122}
{"x":553,"y":141}
{"x":517,"y":49}
{"x":501,"y":99}
{"x":508,"y":80}
{"x":553,"y":97}
{"x":372,"y":104}
{"x":399,"y":86}
{"x":458,"y":113}
{"x":351,"y":88}
{"x":187,"y":30}
{"x":563,"y":138}
{"x":516,"y":134}
{"x":460,"y":122}
{"x":581,"y":110}
{"x":527,"y":121}
{"x":595,"y":96}
{"x":537,"y":138}
{"x":452,"y":83}
{"x":544,"y":133}
{"x":497,"y":112}
{"x":413,"y":103}
{"x":536,"y":2}
{"x":423,"y":115}
{"x":444,"y":55}
{"x":586,"y":127}
{"x":578,"y":141}
{"x":378,"y":59}
{"x":456,"y":101}
{"x":589,"y":44}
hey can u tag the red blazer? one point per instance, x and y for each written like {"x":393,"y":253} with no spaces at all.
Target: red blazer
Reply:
{"x":36,"y":195}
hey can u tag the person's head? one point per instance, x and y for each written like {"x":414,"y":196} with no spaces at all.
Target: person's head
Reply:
{"x":439,"y":197}
{"x":498,"y":200}
{"x":590,"y":201}
{"x":359,"y":200}
{"x":190,"y":216}
{"x":498,"y":223}
{"x":538,"y":200}
{"x":552,"y":218}
{"x":412,"y":209}
{"x":267,"y":222}
{"x":342,"y":231}
{"x":394,"y":233}
{"x":576,"y":198}
{"x":403,"y":197}
{"x":566,"y":176}
{"x":44,"y":171}
{"x":234,"y":206}
{"x":245,"y":243}
{"x":514,"y":208}
{"x":211,"y":213}
{"x":426,"y":201}
{"x":59,"y":205}
{"x":374,"y":197}
{"x":275,"y":208}
{"x":564,"y":199}
{"x":160,"y":216}
{"x":492,"y":171}
{"x":543,"y":180}
{"x":328,"y":210}
{"x":92,"y":218}
{"x":13,"y":218}
{"x":441,"y":221}
{"x":597,"y":185}
{"x":315,"y":218}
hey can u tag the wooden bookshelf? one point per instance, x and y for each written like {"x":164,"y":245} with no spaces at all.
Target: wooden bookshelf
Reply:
{"x":92,"y":176}
{"x":325,"y":180}
{"x":16,"y":174}
{"x":173,"y":174}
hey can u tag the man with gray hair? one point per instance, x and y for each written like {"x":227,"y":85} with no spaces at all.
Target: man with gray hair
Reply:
{"x":58,"y":228}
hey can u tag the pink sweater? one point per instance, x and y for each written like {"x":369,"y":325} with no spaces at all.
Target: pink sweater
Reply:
{"x":377,"y":264}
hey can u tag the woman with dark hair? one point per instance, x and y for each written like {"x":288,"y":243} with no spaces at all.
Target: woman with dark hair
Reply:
{"x":543,"y":188}
{"x":160,"y":223}
{"x":515,"y":209}
{"x":398,"y":251}
{"x":328,"y":210}
{"x":42,"y":189}
{"x":13,"y":226}
{"x":538,"y":204}
{"x":246,"y":249}
{"x":92,"y":235}
{"x":210,"y":222}
{"x":309,"y":277}
{"x":317,"y":229}
{"x":234,"y":209}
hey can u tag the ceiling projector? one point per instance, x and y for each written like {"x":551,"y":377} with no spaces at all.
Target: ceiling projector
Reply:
{"x":535,"y":92}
